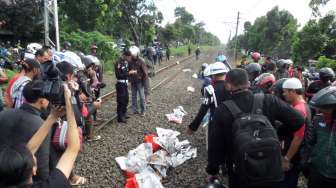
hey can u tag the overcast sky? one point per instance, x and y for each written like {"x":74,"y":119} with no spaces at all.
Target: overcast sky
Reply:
{"x":220,"y":15}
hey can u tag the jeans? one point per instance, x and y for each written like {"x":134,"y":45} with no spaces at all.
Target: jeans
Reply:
{"x":138,"y":89}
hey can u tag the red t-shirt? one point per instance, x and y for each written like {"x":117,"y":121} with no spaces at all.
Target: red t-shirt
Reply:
{"x":300,"y":106}
{"x":10,"y":84}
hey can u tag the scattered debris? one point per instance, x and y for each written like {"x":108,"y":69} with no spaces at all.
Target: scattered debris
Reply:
{"x":186,"y":70}
{"x":191,"y":89}
{"x":177,"y":115}
{"x":145,"y":169}
{"x":195,"y":76}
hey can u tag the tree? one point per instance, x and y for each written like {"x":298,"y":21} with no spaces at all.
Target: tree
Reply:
{"x":315,"y":4}
{"x":183,"y":16}
{"x":81,"y":14}
{"x":309,"y":42}
{"x":24,"y":18}
{"x":271,"y":35}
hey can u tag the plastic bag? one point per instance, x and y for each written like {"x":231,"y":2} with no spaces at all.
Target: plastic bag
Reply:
{"x":190,"y":89}
{"x":148,"y":179}
{"x":131,"y":183}
{"x":177,"y":115}
{"x":149,"y":139}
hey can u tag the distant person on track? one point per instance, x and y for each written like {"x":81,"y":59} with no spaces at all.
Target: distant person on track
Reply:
{"x":121,"y":73}
{"x":137,"y":77}
{"x":189,"y":50}
{"x":167,"y":53}
{"x":197,"y":52}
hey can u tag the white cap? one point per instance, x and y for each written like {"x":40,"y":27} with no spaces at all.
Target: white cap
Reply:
{"x":33,"y":47}
{"x":218,"y":68}
{"x":292,"y":83}
{"x":135,"y":51}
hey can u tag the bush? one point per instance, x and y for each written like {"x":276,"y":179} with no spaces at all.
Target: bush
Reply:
{"x":326,"y":62}
{"x":83,"y":40}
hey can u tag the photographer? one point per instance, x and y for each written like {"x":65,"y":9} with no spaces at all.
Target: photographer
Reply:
{"x":83,"y":99}
{"x":18,"y":164}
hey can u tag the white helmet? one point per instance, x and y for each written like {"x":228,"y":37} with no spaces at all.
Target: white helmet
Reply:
{"x":135,"y":51}
{"x":218,"y":68}
{"x":73,"y":59}
{"x":292,"y":83}
{"x":204,"y":65}
{"x":206,"y":71}
{"x":33,"y":47}
{"x":288,"y":61}
{"x":94,"y":59}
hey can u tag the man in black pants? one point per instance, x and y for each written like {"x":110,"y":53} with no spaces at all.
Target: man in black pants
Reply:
{"x":121,"y":72}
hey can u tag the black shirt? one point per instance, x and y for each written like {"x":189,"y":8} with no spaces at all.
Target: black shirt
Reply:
{"x":220,"y":140}
{"x":221,"y":94}
{"x":121,"y":69}
{"x":56,"y":180}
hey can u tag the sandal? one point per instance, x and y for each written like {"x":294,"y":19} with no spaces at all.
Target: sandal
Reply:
{"x":80,"y":181}
{"x":95,"y":138}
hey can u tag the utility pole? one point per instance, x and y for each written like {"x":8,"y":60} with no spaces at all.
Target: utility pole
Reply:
{"x":51,"y":7}
{"x":236,"y":41}
{"x":46,"y":22}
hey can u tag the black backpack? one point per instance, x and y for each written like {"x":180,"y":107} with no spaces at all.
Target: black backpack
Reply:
{"x":256,"y":150}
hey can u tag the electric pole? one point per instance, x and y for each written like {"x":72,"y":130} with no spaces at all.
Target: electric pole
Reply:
{"x":51,"y":7}
{"x":236,"y":41}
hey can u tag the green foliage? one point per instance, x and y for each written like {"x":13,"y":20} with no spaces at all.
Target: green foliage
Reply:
{"x":183,"y":30}
{"x":309,"y":42}
{"x":271,"y":35}
{"x":23,"y":19}
{"x":83,"y":40}
{"x":315,"y":4}
{"x":316,"y":39}
{"x":326,"y":62}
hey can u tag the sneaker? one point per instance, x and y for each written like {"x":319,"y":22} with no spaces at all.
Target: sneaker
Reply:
{"x":143,"y":114}
{"x":94,"y":138}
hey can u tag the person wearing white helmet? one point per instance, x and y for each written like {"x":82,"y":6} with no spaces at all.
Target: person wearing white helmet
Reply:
{"x":139,"y":81}
{"x":213,"y":94}
{"x":293,"y":93}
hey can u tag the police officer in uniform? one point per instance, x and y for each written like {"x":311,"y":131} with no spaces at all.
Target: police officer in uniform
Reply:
{"x":121,"y":72}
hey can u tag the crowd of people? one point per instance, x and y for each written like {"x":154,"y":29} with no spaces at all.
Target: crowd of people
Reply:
{"x":57,"y":93}
{"x":267,"y":125}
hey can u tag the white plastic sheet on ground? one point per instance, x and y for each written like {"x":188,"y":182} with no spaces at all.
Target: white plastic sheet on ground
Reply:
{"x":186,"y":70}
{"x":149,"y":167}
{"x":195,"y":76}
{"x":190,"y":89}
{"x":177,"y":115}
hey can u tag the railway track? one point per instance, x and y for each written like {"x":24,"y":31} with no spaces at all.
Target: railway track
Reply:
{"x":112,"y":94}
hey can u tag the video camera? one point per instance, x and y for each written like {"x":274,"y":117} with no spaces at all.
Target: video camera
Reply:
{"x":53,"y":89}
